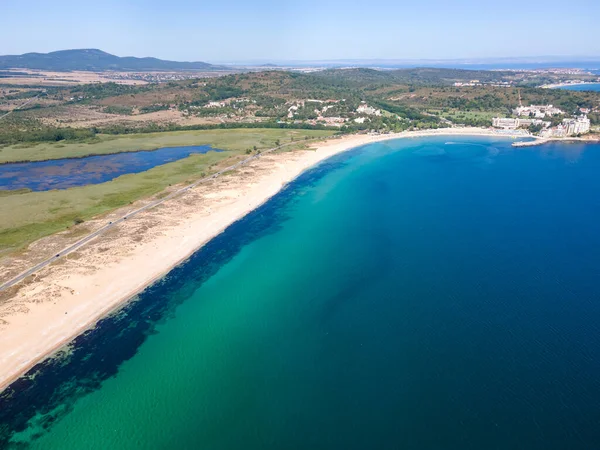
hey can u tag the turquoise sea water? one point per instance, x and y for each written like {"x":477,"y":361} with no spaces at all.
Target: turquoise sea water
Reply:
{"x":438,"y":293}
{"x":582,"y":87}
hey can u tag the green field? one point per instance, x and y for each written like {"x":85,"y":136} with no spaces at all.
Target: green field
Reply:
{"x":27,"y":216}
{"x":235,"y":140}
{"x":458,"y":116}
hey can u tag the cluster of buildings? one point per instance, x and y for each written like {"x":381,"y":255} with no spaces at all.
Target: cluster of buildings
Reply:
{"x":215,"y":105}
{"x":235,"y":103}
{"x":467,"y":83}
{"x":533,"y":115}
{"x":365,"y":110}
{"x":479,"y":83}
{"x":537,"y":111}
{"x":325,"y":105}
{"x":368,"y":110}
{"x":362,"y":112}
{"x":568,"y":127}
{"x":158,"y":76}
{"x":321,"y":107}
{"x":333,"y":121}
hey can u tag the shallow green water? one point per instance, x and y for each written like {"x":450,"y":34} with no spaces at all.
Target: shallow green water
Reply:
{"x":416,"y":294}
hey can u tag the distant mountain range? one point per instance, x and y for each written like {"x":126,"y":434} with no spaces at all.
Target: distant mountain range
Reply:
{"x":98,"y":60}
{"x":94,"y":60}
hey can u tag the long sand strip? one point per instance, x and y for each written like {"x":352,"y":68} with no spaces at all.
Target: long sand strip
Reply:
{"x":71,"y":295}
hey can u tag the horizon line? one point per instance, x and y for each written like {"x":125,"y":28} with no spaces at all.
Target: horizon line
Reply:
{"x":464,"y":60}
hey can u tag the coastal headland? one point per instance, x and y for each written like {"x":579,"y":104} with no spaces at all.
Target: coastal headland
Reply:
{"x":54,"y":304}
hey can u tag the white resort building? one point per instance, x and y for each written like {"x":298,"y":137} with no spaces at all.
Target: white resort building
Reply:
{"x":578,"y":125}
{"x":506,"y":123}
{"x":513,"y":124}
{"x":537,"y":111}
{"x":368,"y":110}
{"x":568,"y":127}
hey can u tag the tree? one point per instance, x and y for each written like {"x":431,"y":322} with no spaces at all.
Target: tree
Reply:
{"x":535,"y":128}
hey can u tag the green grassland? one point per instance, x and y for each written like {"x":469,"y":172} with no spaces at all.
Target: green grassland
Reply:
{"x":234,"y":140}
{"x":26,"y":216}
{"x":474,"y":118}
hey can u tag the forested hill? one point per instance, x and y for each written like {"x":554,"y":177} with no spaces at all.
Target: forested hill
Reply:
{"x":419,"y":75}
{"x":94,"y":60}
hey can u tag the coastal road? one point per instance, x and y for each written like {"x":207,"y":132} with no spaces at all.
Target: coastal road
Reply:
{"x":80,"y":243}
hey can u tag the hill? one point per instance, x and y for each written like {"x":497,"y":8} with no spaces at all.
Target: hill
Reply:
{"x":94,"y":60}
{"x":419,"y":75}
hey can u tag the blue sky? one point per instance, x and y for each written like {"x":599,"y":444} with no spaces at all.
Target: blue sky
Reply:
{"x":238,"y":30}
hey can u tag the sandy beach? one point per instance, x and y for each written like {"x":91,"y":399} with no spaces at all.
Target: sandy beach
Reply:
{"x":560,"y":85}
{"x":49,"y":309}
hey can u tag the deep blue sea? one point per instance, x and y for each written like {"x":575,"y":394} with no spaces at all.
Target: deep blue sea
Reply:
{"x":72,"y":172}
{"x":418,"y":294}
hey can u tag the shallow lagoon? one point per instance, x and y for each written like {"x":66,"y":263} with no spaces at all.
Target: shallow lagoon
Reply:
{"x":72,"y":172}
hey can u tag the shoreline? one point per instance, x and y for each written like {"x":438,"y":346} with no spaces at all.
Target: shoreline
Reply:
{"x":46,"y":314}
{"x":561,"y":85}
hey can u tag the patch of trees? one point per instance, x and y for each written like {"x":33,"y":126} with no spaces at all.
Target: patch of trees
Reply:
{"x":485,"y":102}
{"x":405,"y":112}
{"x":46,"y":134}
{"x":211,"y":112}
{"x":153,"y":128}
{"x":277,"y":112}
{"x":268,"y":101}
{"x":153,"y":108}
{"x":104,"y":90}
{"x":594,"y":118}
{"x":118,"y":109}
{"x":535,"y":127}
{"x":23,"y":95}
{"x":216,"y":93}
{"x":569,"y":101}
{"x":306,"y":112}
{"x":555,"y":120}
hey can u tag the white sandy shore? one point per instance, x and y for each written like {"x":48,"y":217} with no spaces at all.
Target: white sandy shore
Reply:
{"x":560,"y":85}
{"x":70,"y":296}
